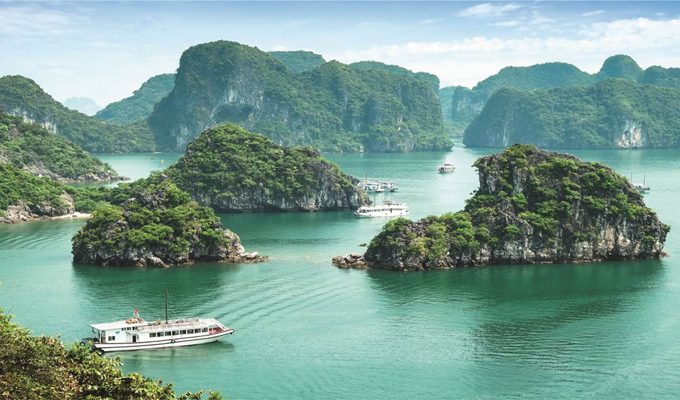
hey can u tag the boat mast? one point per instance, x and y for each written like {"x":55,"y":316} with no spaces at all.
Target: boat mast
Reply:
{"x":166,"y":305}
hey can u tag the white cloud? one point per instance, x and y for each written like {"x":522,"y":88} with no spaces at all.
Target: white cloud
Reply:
{"x":592,"y":13}
{"x":467,"y":61}
{"x":33,"y":21}
{"x":489,"y":10}
{"x":430,"y":21}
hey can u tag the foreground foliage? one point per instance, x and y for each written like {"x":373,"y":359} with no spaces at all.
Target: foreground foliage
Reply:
{"x":44,"y":368}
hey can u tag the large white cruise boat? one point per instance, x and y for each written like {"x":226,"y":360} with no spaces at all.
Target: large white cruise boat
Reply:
{"x":137,"y":334}
{"x":387,"y":209}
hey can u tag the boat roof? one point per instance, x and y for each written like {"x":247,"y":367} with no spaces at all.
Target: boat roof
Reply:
{"x":119,"y":324}
{"x":139,"y":322}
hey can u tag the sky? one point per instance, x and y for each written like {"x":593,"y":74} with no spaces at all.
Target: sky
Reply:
{"x":105,"y":50}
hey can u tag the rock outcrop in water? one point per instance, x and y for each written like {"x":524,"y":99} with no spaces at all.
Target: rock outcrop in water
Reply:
{"x":532,"y":206}
{"x":158,"y":225}
{"x":230,"y":169}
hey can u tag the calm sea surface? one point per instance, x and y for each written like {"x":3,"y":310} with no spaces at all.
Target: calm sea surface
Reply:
{"x":305,"y":329}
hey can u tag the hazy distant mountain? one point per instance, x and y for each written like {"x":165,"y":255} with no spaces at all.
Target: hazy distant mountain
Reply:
{"x":615,"y":113}
{"x":85,"y":105}
{"x":140,"y":105}
{"x":461,"y":105}
{"x":22,"y":97}
{"x":333,"y":107}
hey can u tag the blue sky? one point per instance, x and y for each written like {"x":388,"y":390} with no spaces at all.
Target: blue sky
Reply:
{"x":105,"y":50}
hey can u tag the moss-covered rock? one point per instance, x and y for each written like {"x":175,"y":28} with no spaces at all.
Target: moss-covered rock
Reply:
{"x":230,"y":169}
{"x":532,"y":206}
{"x":158,"y":225}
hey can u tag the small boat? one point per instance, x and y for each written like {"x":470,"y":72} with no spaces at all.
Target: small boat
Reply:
{"x":387,"y":185}
{"x":137,"y":334}
{"x":387,"y":209}
{"x":641,"y":187}
{"x":446,"y":168}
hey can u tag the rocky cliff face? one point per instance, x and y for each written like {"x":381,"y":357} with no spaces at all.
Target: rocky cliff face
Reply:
{"x":532,"y":206}
{"x":159,"y":226}
{"x":333,"y":107}
{"x":230,"y":169}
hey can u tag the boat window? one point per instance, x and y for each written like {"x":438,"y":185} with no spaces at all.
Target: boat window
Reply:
{"x":111,"y":339}
{"x":183,"y":332}
{"x":161,"y":334}
{"x":190,"y":331}
{"x":205,"y":329}
{"x":152,"y":334}
{"x":175,"y":332}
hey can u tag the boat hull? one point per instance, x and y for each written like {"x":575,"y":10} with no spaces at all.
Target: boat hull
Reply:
{"x":162,"y":344}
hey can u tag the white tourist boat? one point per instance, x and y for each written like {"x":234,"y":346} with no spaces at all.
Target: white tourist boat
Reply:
{"x":137,"y":334}
{"x":446,"y":167}
{"x":387,"y":209}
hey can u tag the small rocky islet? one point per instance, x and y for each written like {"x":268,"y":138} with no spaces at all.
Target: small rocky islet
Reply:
{"x":532,"y":206}
{"x":158,"y":225}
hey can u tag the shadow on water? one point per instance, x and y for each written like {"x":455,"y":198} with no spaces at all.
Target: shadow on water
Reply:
{"x":116,"y":290}
{"x":512,"y":307}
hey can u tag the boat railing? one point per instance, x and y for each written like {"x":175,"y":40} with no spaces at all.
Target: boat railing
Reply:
{"x":170,"y":324}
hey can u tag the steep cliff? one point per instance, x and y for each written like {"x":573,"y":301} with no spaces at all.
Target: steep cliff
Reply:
{"x":615,"y":113}
{"x":32,"y":148}
{"x":22,"y":97}
{"x":333,"y":107}
{"x":532,"y":206}
{"x":230,"y":169}
{"x":140,"y":105}
{"x":158,"y":225}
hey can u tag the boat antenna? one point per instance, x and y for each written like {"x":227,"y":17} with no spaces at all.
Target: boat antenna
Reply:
{"x":166,"y":305}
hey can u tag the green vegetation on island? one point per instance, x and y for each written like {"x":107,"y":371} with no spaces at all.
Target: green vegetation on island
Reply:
{"x":153,"y":222}
{"x":42,"y":367}
{"x":140,"y":105}
{"x":22,"y":97}
{"x":298,"y":61}
{"x":615,"y":113}
{"x":532,"y":206}
{"x":333,"y":107}
{"x":31,"y":147}
{"x":24,"y":196}
{"x":461,"y":105}
{"x":231,"y":169}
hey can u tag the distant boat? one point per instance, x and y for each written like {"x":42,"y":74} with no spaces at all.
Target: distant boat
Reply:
{"x":137,"y":334}
{"x":370,"y":185}
{"x":446,"y":168}
{"x":387,"y":209}
{"x":640,"y":187}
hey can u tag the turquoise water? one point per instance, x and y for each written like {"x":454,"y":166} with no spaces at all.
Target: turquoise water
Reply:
{"x":305,"y":329}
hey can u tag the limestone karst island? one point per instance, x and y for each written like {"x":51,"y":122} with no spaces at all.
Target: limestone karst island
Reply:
{"x":339,"y":200}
